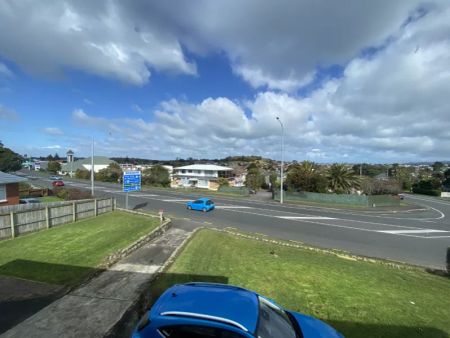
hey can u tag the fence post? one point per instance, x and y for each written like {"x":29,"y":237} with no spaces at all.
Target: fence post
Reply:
{"x":95,"y":208}
{"x":113,"y":204}
{"x":47,"y":217}
{"x":13,"y":225}
{"x":74,"y":211}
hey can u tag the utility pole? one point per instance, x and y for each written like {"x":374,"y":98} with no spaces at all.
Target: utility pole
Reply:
{"x":282,"y":160}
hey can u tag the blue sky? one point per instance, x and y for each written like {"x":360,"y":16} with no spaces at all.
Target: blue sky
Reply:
{"x":365,"y":83}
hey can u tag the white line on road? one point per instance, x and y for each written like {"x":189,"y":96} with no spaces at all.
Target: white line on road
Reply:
{"x":231,"y":207}
{"x":422,"y":231}
{"x":143,"y":195}
{"x":304,"y":217}
{"x":182,"y":200}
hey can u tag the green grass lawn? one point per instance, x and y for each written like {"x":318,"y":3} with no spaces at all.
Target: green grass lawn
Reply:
{"x":360,"y":299}
{"x":69,"y":253}
{"x":46,"y":199}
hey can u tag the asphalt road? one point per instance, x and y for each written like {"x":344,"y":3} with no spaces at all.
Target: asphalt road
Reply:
{"x":419,"y":236}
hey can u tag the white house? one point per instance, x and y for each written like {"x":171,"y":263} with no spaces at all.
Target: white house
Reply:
{"x":200,"y":176}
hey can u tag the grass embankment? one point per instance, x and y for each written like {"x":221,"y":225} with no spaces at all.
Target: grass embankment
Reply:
{"x":360,"y":299}
{"x":67,"y":254}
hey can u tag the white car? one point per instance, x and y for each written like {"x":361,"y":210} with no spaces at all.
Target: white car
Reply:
{"x":55,"y":178}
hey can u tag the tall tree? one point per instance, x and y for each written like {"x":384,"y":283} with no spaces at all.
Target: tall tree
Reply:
{"x":9,"y":160}
{"x":341,"y":179}
{"x":306,"y":177}
{"x":157,"y":176}
{"x":54,"y":166}
{"x":254,"y":179}
{"x":112,"y":173}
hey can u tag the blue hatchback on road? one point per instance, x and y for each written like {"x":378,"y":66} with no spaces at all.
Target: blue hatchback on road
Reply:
{"x":202,"y":204}
{"x":208,"y":310}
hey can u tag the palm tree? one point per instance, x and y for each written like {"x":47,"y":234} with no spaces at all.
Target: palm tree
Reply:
{"x":341,"y":179}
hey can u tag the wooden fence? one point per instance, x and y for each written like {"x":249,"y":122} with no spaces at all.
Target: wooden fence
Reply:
{"x":16,"y":220}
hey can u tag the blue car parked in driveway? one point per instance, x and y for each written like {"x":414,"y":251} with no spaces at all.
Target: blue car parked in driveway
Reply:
{"x":202,"y":204}
{"x":207,"y":310}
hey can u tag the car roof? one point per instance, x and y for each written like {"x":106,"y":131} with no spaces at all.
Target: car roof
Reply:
{"x":217,"y":300}
{"x":204,"y":199}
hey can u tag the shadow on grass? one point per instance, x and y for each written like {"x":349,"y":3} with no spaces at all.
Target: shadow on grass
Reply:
{"x":60,"y":274}
{"x":357,"y":330}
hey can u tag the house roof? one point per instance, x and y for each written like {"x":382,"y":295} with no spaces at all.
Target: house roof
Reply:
{"x":204,"y":167}
{"x":98,"y":160}
{"x":8,"y":178}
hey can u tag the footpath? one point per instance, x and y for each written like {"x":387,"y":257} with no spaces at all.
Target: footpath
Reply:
{"x":109,"y":304}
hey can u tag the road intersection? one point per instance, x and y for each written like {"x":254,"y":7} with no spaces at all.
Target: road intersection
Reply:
{"x":418,"y":235}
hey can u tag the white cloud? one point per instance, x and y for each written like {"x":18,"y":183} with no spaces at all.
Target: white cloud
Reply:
{"x":53,"y":131}
{"x":98,"y":38}
{"x":392,"y":106}
{"x":56,"y":146}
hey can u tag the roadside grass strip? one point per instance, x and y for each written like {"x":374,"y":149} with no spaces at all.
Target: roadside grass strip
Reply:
{"x":67,"y":254}
{"x":359,"y":298}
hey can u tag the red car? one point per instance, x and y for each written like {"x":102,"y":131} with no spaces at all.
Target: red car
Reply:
{"x":58,"y":183}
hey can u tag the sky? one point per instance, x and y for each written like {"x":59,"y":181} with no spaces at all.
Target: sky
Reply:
{"x":352,"y":81}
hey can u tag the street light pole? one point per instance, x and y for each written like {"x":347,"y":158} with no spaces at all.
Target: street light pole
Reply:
{"x":92,"y":168}
{"x":282,"y":160}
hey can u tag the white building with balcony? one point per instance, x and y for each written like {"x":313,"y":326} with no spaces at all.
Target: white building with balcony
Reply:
{"x":200,"y":176}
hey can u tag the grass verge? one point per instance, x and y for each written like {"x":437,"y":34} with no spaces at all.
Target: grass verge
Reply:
{"x":360,"y":299}
{"x":67,"y":254}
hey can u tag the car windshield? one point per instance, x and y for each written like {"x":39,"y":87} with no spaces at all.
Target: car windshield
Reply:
{"x":273,"y":322}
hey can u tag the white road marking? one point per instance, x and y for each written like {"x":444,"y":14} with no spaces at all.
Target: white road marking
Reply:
{"x":182,"y":200}
{"x":142,"y":195}
{"x":422,"y":231}
{"x":304,"y":217}
{"x":231,"y":207}
{"x":342,"y":226}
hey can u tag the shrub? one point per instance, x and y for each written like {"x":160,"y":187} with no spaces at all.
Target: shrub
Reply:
{"x":70,"y":194}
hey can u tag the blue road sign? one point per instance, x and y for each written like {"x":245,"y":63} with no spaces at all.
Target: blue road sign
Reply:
{"x":131,"y":181}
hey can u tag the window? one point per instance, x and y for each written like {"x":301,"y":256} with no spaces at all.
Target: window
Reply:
{"x":273,"y":322}
{"x":194,"y":331}
{"x":198,"y":202}
{"x":2,"y":192}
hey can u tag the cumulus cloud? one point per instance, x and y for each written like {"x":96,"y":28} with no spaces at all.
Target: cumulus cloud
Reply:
{"x":389,"y":106}
{"x":279,"y":46}
{"x":98,"y":38}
